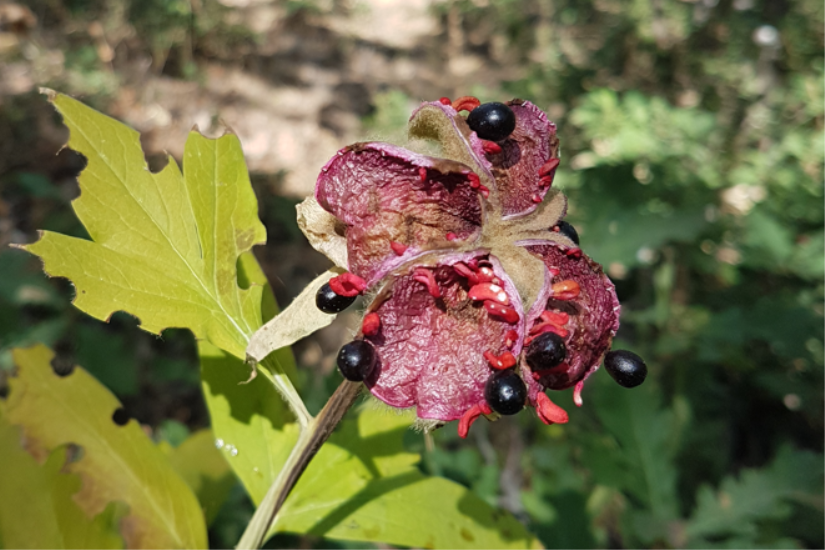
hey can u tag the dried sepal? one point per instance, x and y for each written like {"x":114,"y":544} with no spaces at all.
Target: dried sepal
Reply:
{"x":297,"y":321}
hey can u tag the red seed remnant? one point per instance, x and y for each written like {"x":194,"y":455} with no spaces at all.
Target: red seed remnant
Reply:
{"x":508,"y":314}
{"x":471,"y":416}
{"x":425,"y":276}
{"x":475,"y":181}
{"x":485,"y":192}
{"x":549,"y":412}
{"x":466,"y":103}
{"x":445,"y":101}
{"x":422,"y":173}
{"x":450,"y":236}
{"x":398,"y":248}
{"x":466,"y":272}
{"x":566,"y":290}
{"x":371,"y":324}
{"x":548,"y":167}
{"x":501,"y":362}
{"x":490,"y":147}
{"x":574,"y":253}
{"x":347,"y":284}
{"x":489,"y":291}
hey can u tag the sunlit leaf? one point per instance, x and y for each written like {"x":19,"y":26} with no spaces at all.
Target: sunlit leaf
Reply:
{"x":116,"y":463}
{"x":362,"y":485}
{"x":203,"y":468}
{"x":164,"y":246}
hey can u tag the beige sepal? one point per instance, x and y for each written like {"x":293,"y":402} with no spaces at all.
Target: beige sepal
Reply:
{"x":300,"y":319}
{"x":526,"y":271}
{"x":319,"y":227}
{"x":535,"y":225}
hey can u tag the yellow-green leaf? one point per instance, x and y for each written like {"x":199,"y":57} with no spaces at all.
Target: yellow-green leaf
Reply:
{"x":164,"y":246}
{"x":203,"y":468}
{"x":116,"y":463}
{"x":361,"y":486}
{"x":36,"y":505}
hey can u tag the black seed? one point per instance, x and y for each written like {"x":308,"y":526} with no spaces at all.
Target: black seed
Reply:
{"x":568,"y":231}
{"x":492,"y":121}
{"x":505,"y":392}
{"x":356,"y":360}
{"x":626,"y":368}
{"x":120,"y":417}
{"x":546,"y":351}
{"x":329,"y":302}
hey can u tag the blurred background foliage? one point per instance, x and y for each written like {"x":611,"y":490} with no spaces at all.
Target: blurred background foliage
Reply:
{"x":692,"y":142}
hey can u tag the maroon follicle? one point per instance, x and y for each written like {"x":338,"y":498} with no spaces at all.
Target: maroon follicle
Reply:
{"x":466,"y":103}
{"x":426,"y":277}
{"x":471,"y":416}
{"x":575,"y":253}
{"x":475,"y":181}
{"x":500,"y":362}
{"x":510,"y":338}
{"x":541,"y":373}
{"x":489,"y":291}
{"x":490,"y":147}
{"x":398,"y":248}
{"x":536,"y":198}
{"x":451,"y":236}
{"x":549,"y":412}
{"x":548,"y":167}
{"x":445,"y":101}
{"x":422,"y":173}
{"x":577,"y":393}
{"x":566,"y":290}
{"x":507,"y":314}
{"x":347,"y":284}
{"x":371,"y":324}
{"x":466,"y":272}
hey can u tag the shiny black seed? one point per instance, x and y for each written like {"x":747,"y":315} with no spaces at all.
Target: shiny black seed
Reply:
{"x":505,"y":392}
{"x":626,"y":368}
{"x":492,"y":121}
{"x":329,"y":302}
{"x":356,"y":360}
{"x":546,"y":351}
{"x":568,"y":231}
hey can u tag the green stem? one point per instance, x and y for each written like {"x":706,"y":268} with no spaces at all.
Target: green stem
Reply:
{"x":312,"y":436}
{"x":273,"y":372}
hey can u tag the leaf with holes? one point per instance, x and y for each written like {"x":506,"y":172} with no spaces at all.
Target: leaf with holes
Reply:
{"x":164,"y":246}
{"x":117,"y":463}
{"x":52,"y":519}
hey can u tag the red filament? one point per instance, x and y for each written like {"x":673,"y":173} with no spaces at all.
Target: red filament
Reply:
{"x":489,"y":291}
{"x":549,"y":412}
{"x":371,"y":324}
{"x":425,"y":276}
{"x":466,"y":103}
{"x":347,"y":284}
{"x":507,"y":314}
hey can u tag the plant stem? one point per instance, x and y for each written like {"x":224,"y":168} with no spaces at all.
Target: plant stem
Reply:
{"x":312,"y":436}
